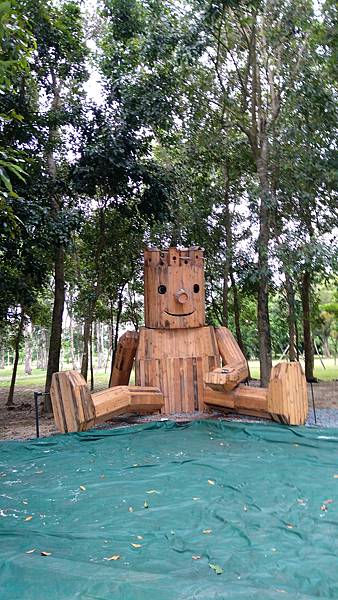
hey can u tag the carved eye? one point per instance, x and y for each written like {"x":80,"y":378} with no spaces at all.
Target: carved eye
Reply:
{"x":162,"y":289}
{"x":196,"y":288}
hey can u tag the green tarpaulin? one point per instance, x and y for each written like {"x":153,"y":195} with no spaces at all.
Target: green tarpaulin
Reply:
{"x":209,"y":510}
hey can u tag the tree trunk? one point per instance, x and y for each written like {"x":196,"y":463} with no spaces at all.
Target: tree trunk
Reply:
{"x":297,"y":340}
{"x":56,"y":330}
{"x":86,"y":338}
{"x":99,"y":344}
{"x":117,"y":326}
{"x":326,"y":346}
{"x":308,"y":343}
{"x":10,"y":402}
{"x":228,"y":250}
{"x":263,"y":320}
{"x":237,"y":312}
{"x":71,"y":337}
{"x":91,"y":359}
{"x":290,"y":295}
{"x":225,"y":294}
{"x":2,"y":357}
{"x":28,"y":352}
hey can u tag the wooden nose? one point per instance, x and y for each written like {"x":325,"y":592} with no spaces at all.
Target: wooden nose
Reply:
{"x":181,"y":296}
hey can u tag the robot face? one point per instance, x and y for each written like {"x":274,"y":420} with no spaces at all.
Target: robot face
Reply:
{"x":174,"y":288}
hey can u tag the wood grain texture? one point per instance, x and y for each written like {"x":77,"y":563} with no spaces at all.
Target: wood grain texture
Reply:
{"x":72,"y":403}
{"x":244,"y":398}
{"x":75,"y":409}
{"x":124,"y":358}
{"x":287,"y":394}
{"x":233,"y":360}
{"x":176,"y":361}
{"x":174,"y":288}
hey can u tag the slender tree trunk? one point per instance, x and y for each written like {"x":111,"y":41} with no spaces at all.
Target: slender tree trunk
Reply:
{"x":2,"y":357}
{"x":290,"y":295}
{"x":86,"y":339}
{"x":56,"y":208}
{"x":326,"y":346}
{"x":56,"y":330}
{"x":117,"y":327}
{"x":297,"y":340}
{"x":308,"y":342}
{"x":225,"y":294}
{"x":10,"y":402}
{"x":228,"y":252}
{"x":28,"y":349}
{"x":99,"y":345}
{"x":263,"y":320}
{"x":71,"y":338}
{"x":91,"y":359}
{"x":237,"y":313}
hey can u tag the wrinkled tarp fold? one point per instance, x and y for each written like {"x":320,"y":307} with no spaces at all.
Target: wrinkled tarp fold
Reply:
{"x":254,"y":500}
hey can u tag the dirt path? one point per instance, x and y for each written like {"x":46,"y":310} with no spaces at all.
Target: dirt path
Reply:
{"x":19,"y":423}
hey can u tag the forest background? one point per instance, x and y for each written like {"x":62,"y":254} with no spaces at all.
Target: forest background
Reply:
{"x":126,"y":123}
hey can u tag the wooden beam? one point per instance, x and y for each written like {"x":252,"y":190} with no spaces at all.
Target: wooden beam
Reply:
{"x":285,"y":400}
{"x":244,"y":399}
{"x":75,"y":409}
{"x":124,"y":358}
{"x":287,"y":394}
{"x":126,"y":399}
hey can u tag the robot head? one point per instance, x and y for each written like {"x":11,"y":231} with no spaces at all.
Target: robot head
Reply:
{"x":174,"y":288}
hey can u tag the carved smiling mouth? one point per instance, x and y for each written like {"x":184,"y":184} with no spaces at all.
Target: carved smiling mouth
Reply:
{"x":180,"y":315}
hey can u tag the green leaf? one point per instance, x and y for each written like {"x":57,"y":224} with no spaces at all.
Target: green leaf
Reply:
{"x":217,"y":568}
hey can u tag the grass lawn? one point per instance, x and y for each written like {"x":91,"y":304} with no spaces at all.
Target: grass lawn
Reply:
{"x":330,"y":372}
{"x":37,"y":379}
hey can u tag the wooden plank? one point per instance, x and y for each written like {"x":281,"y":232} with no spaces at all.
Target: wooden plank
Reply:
{"x":244,"y":398}
{"x":126,"y":399}
{"x":124,"y":358}
{"x":287,"y":394}
{"x":232,"y":358}
{"x":71,"y":401}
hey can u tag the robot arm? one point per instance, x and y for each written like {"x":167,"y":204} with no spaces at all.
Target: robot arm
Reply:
{"x":124,"y":359}
{"x":234,"y":369}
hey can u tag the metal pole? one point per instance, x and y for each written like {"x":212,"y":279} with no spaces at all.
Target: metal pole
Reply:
{"x":36,"y":404}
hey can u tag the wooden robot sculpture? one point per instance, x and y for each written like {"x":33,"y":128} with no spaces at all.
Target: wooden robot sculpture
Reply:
{"x":181,"y":364}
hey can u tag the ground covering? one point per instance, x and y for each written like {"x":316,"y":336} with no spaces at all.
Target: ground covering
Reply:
{"x":209,"y":510}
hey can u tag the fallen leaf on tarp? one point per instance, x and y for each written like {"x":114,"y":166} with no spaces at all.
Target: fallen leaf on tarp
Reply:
{"x":153,"y":492}
{"x":43,"y":553}
{"x":29,"y":518}
{"x":195,"y":557}
{"x":217,"y":568}
{"x":207,"y":531}
{"x":329,"y":501}
{"x":82,"y":488}
{"x":211,"y":482}
{"x":114,"y":557}
{"x":137,"y":545}
{"x":146,"y":505}
{"x":30,"y":551}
